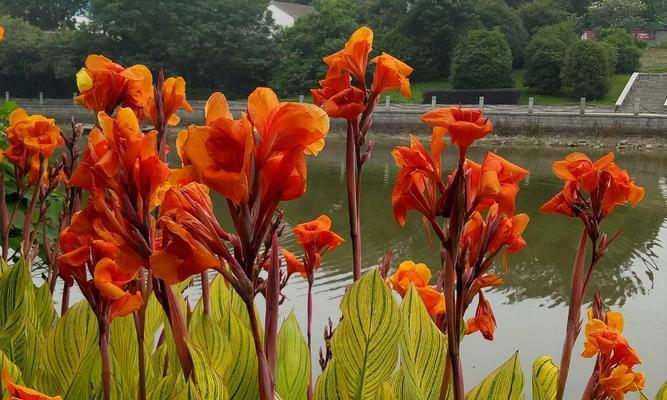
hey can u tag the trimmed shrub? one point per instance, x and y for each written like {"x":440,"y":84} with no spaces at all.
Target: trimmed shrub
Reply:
{"x":563,"y":32}
{"x":539,"y":13}
{"x":628,"y":53}
{"x":482,"y":60}
{"x":583,"y":70}
{"x":471,"y":96}
{"x":496,"y":14}
{"x":610,"y":56}
{"x":543,"y":68}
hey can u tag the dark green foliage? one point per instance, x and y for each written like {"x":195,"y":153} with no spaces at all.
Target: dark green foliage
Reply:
{"x":44,"y":14}
{"x":482,"y":60}
{"x":497,"y":14}
{"x":610,"y":56}
{"x":539,"y":13}
{"x":302,"y":47}
{"x":543,"y":68}
{"x":628,"y":54}
{"x":220,"y":45}
{"x":585,"y":69}
{"x":625,"y":14}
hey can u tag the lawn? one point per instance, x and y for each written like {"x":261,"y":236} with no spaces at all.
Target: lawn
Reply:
{"x":654,"y":60}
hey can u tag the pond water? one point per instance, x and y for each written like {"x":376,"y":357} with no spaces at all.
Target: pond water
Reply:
{"x":531,"y":305}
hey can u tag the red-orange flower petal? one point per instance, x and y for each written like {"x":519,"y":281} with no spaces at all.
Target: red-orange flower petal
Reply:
{"x":18,"y":392}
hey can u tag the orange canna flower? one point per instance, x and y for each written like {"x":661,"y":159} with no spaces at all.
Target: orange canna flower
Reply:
{"x":409,"y":272}
{"x":105,"y":85}
{"x":434,"y":301}
{"x":32,"y":139}
{"x":220,"y":152}
{"x":562,"y":202}
{"x":2,"y":33}
{"x":173,"y":98}
{"x":110,"y":277}
{"x":620,"y":381}
{"x":509,"y":233}
{"x":578,"y":167}
{"x":315,"y":237}
{"x":621,"y":190}
{"x":181,"y":255}
{"x":419,"y":179}
{"x":608,"y":340}
{"x":18,"y":392}
{"x":75,"y":250}
{"x":338,"y":97}
{"x":354,"y":56}
{"x":499,"y":183}
{"x":391,"y":73}
{"x":484,"y":320}
{"x":125,"y":305}
{"x":464,"y":125}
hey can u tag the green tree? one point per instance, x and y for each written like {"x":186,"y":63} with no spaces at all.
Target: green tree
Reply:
{"x":213,"y":44}
{"x":543,"y":67}
{"x":583,"y":71}
{"x":625,"y":14}
{"x":50,"y":14}
{"x":302,"y":46}
{"x":482,"y":60}
{"x":497,"y":14}
{"x":628,"y":54}
{"x":539,"y":13}
{"x":430,"y":30}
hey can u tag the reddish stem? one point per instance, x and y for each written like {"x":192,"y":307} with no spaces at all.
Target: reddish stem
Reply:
{"x":104,"y":341}
{"x":573,"y":316}
{"x":64,"y":303}
{"x":272,"y":304}
{"x":265,"y":386}
{"x":352,"y":205}
{"x":308,"y":331}
{"x":205,"y":292}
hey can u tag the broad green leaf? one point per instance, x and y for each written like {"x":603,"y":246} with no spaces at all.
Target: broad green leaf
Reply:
{"x":209,"y":384}
{"x":240,"y":363}
{"x":506,"y":382}
{"x":71,"y":356}
{"x":365,"y":344}
{"x":44,"y":310}
{"x":208,"y":336}
{"x":662,"y":393}
{"x":545,"y":379}
{"x":124,"y":357}
{"x":14,"y":373}
{"x":293,"y":361}
{"x":166,"y":387}
{"x":423,"y":351}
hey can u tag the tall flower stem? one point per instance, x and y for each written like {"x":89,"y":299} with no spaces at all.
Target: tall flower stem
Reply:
{"x":352,"y":198}
{"x":309,"y":329}
{"x":573,"y":316}
{"x":139,"y":324}
{"x":265,"y":384}
{"x":103,"y":326}
{"x":205,"y":292}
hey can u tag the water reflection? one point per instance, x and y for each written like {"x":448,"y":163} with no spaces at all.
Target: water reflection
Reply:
{"x":541,"y":270}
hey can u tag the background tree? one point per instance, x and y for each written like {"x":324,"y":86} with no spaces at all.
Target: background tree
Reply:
{"x":44,"y":14}
{"x":302,"y":46}
{"x":482,"y":60}
{"x":626,"y":14}
{"x":543,"y":67}
{"x":497,"y":14}
{"x":432,"y":28}
{"x":539,"y":13}
{"x":221,"y":45}
{"x":628,"y":53}
{"x":583,"y":71}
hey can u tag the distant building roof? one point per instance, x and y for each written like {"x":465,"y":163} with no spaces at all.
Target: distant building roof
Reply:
{"x":294,"y":10}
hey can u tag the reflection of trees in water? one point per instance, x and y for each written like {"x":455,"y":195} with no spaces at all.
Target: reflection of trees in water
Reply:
{"x":540,"y":271}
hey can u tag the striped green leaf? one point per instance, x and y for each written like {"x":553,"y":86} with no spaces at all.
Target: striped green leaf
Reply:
{"x":422,"y":349}
{"x":208,"y":336}
{"x":124,"y":357}
{"x":165,"y":387}
{"x":240,"y":363}
{"x":44,"y":310}
{"x":506,"y":382}
{"x":545,"y":379}
{"x":14,"y":373}
{"x":208,"y":384}
{"x":662,"y":393}
{"x":293,"y":361}
{"x":71,"y":357}
{"x":365,"y":344}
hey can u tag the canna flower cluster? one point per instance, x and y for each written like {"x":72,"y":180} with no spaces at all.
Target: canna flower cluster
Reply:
{"x":32,"y":140}
{"x":478,"y":202}
{"x":592,"y":190}
{"x":316,"y":238}
{"x":615,"y":357}
{"x":345,"y":93}
{"x":418,"y":274}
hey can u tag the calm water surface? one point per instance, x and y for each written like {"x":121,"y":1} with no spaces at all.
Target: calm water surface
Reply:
{"x":530,"y":306}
